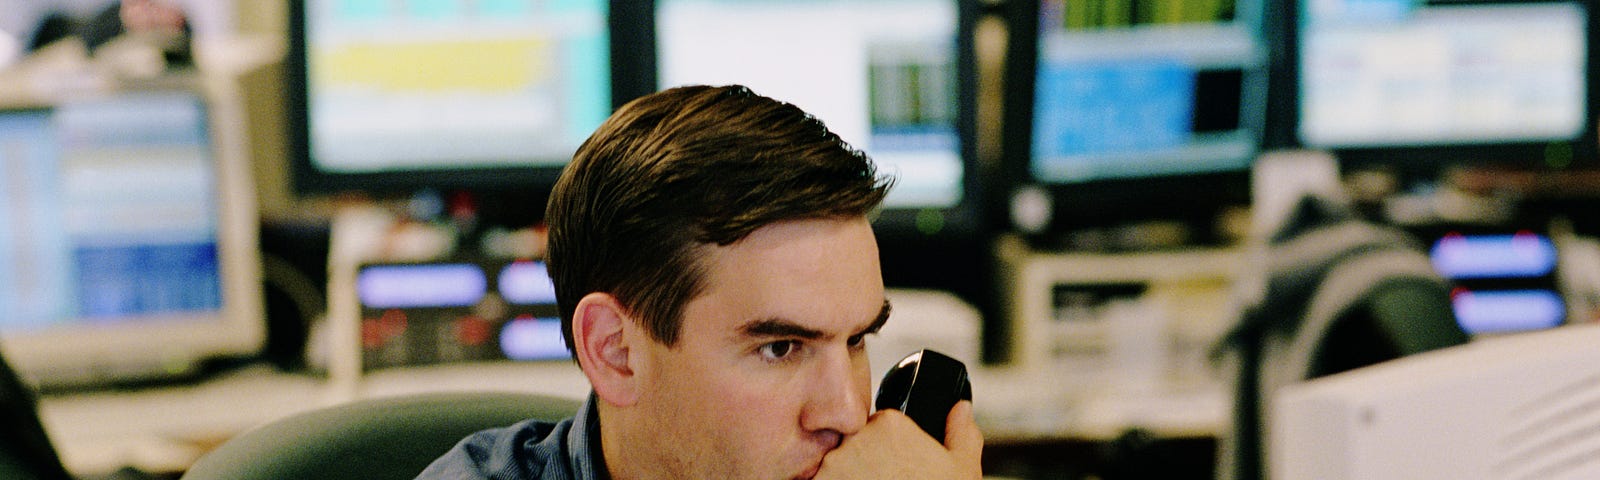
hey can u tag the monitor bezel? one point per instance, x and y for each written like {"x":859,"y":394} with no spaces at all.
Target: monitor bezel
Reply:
{"x":970,"y":216}
{"x":632,"y":75}
{"x":165,"y":347}
{"x":1194,"y":200}
{"x":1429,"y":161}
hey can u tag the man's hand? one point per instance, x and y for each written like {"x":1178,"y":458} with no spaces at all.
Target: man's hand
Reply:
{"x":891,"y":446}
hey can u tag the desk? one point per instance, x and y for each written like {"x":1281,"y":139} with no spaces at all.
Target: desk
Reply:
{"x":1028,"y":405}
{"x":1037,"y":425}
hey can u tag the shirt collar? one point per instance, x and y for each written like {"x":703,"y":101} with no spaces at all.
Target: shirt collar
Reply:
{"x":583,"y":443}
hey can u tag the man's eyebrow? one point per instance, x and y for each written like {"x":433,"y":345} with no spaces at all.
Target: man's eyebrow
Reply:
{"x":877,"y":323}
{"x":778,"y":327}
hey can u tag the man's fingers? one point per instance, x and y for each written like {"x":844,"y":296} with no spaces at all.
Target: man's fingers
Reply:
{"x":962,"y":436}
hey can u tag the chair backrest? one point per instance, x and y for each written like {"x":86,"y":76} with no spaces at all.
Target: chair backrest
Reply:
{"x":395,"y":437}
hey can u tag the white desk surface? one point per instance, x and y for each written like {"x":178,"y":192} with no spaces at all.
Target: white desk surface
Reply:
{"x":166,"y":429}
{"x":1019,"y":406}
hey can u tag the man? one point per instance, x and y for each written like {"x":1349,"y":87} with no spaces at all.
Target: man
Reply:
{"x":717,"y":277}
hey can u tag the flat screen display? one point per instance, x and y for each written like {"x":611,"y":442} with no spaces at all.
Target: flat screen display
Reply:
{"x":406,"y":95}
{"x":880,"y":73}
{"x":1380,"y":73}
{"x":127,"y":236}
{"x":1126,"y":89}
{"x":109,"y":212}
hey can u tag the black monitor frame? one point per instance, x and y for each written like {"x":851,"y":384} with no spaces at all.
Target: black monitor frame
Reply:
{"x":1193,"y":200}
{"x":505,"y":195}
{"x":971,"y":217}
{"x":1426,"y":163}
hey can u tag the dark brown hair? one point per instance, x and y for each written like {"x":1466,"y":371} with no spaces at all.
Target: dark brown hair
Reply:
{"x":672,"y":172}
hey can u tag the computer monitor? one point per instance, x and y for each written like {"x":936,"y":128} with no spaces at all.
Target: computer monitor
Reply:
{"x":891,"y":77}
{"x":1415,"y":86}
{"x":1123,"y":111}
{"x":491,"y":98}
{"x":128,"y":248}
{"x":1510,"y":407}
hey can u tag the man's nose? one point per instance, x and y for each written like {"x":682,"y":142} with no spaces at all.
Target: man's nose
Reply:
{"x":839,"y":398}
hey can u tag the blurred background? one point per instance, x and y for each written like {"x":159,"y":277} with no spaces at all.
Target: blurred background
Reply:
{"x":1132,"y":219}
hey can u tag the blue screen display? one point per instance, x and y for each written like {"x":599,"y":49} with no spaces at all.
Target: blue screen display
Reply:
{"x":1123,"y":90}
{"x":1504,"y":282}
{"x":108,"y":211}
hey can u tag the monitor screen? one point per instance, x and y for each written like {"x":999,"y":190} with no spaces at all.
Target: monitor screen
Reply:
{"x":1129,"y":89}
{"x":389,"y":98}
{"x":1127,"y":111}
{"x":884,"y":77}
{"x":1504,"y":81}
{"x":128,"y":239}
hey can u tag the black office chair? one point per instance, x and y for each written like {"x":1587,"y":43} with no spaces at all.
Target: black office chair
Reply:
{"x":380,"y":438}
{"x":25,"y":449}
{"x":1341,"y":294}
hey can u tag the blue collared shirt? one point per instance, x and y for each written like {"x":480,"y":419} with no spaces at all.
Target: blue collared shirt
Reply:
{"x":528,"y":450}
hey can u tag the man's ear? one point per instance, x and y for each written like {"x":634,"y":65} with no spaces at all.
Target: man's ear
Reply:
{"x":600,"y":327}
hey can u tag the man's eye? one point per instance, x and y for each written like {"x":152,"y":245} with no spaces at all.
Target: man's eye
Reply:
{"x":858,"y":340}
{"x":777,"y":350}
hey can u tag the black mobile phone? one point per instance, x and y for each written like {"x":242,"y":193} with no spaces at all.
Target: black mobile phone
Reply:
{"x":925,"y":386}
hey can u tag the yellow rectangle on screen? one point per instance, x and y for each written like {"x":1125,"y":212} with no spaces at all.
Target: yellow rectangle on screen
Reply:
{"x":497,"y":65}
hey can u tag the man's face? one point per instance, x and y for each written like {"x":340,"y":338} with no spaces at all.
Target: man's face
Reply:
{"x":770,"y":370}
